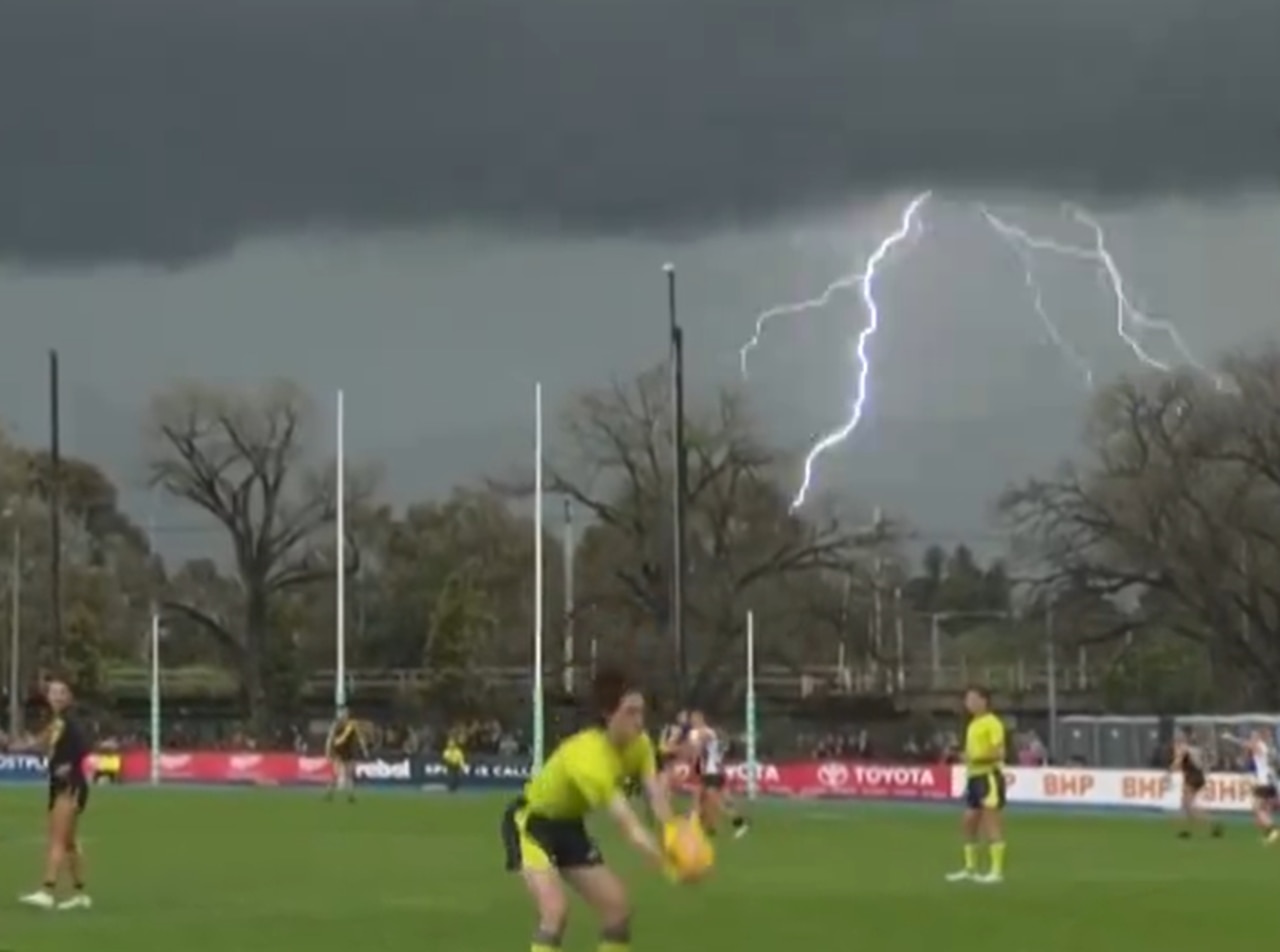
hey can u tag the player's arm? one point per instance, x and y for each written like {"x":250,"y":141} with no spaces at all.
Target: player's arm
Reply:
{"x":599,"y":787}
{"x":329,"y":739}
{"x":1236,"y":741}
{"x":362,"y":741}
{"x":655,"y":786}
{"x":634,"y":828}
{"x":667,"y":743}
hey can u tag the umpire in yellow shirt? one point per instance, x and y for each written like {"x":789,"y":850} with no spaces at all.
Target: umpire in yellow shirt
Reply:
{"x":984,"y":790}
{"x":544,"y":833}
{"x":455,"y":762}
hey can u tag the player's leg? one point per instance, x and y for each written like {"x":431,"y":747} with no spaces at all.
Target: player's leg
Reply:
{"x":335,"y":778}
{"x":578,"y":859}
{"x":971,"y":829}
{"x":1193,"y":814}
{"x":75,"y":855}
{"x":991,"y":821}
{"x":349,"y":778}
{"x":605,"y":893}
{"x":60,"y":831}
{"x":552,"y":905}
{"x":1264,"y":812}
{"x":737,"y":819}
{"x":709,"y":806}
{"x":526,"y":855}
{"x":1187,"y":809}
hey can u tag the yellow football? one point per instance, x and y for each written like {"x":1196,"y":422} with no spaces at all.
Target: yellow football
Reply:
{"x":689,"y":849}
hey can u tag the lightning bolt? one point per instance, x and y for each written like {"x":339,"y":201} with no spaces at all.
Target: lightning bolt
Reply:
{"x":783,"y":310}
{"x":1131,"y":321}
{"x":865,"y":282}
{"x":1072,"y":355}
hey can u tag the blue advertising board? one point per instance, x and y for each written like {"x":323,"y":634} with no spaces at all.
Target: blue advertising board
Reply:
{"x":23,"y":768}
{"x":488,"y":773}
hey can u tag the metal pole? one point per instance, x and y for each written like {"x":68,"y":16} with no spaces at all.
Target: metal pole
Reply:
{"x":340,"y":553}
{"x":539,"y":721}
{"x":15,"y":633}
{"x":752,"y":726}
{"x":154,"y":721}
{"x":1245,"y":627}
{"x":155,"y":694}
{"x":1051,"y":666}
{"x":846,"y":597}
{"x":900,"y":640}
{"x":935,"y":648}
{"x":877,"y":615}
{"x":55,"y":505}
{"x":569,"y":607}
{"x":679,"y":488}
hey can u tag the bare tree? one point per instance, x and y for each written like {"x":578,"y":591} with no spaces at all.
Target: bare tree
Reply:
{"x":241,"y":458}
{"x":746,"y":550}
{"x":1176,"y":511}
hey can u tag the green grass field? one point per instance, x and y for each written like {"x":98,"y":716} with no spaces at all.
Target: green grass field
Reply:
{"x":193,"y":871}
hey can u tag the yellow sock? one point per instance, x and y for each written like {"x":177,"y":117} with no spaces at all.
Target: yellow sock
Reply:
{"x":540,"y":947}
{"x":970,"y":857}
{"x":997,"y":858}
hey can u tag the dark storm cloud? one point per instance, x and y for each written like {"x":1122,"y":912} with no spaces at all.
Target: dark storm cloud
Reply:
{"x":165,"y":129}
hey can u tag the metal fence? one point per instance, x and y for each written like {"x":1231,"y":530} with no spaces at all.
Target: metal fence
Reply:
{"x":1144,"y":741}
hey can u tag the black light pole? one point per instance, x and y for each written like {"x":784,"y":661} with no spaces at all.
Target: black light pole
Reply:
{"x":55,"y":506}
{"x":680,"y":485}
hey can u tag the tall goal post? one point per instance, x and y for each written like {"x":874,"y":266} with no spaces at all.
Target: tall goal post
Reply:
{"x":750,"y":712}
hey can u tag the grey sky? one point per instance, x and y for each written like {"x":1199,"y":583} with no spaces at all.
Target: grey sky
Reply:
{"x":168,"y":129}
{"x":433,"y":204}
{"x":438,"y":337}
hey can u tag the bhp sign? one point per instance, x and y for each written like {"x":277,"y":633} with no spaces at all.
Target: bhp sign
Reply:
{"x":1066,"y":784}
{"x":1128,"y":789}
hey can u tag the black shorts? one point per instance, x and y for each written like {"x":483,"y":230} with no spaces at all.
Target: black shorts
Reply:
{"x":79,"y":789}
{"x":530,"y":841}
{"x":985,"y":792}
{"x":344,"y":757}
{"x":711,"y":781}
{"x":1193,"y":780}
{"x":1264,"y":791}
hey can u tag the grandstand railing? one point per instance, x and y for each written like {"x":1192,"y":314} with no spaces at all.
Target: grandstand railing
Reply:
{"x":804,"y":682}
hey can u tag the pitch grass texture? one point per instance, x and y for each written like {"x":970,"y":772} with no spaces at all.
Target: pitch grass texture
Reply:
{"x":257,"y":870}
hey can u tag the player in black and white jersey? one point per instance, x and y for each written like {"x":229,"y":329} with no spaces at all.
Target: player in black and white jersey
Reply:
{"x":673,"y":744}
{"x":1262,"y":767}
{"x":709,"y":760}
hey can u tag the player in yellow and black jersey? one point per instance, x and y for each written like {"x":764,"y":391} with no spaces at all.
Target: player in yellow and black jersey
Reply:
{"x":344,"y":746}
{"x":984,"y":793}
{"x":68,"y":746}
{"x":544,"y":832}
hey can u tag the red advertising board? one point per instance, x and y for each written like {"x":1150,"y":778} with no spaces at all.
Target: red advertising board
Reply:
{"x":846,"y":779}
{"x":802,"y":778}
{"x":222,"y":767}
